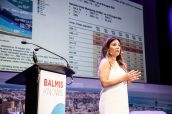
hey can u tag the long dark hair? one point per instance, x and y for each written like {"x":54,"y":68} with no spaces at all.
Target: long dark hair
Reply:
{"x":104,"y":52}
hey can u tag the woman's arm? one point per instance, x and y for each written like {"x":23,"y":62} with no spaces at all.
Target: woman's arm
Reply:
{"x":104,"y":71}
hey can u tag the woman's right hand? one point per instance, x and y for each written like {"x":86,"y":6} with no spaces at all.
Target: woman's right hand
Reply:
{"x":133,"y":75}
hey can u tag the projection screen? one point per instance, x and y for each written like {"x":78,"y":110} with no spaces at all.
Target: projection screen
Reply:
{"x":73,"y":29}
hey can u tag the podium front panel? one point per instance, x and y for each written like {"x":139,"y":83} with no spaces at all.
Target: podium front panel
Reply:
{"x":51,"y":93}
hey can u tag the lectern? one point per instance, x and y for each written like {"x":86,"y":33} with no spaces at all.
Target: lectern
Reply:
{"x":45,"y":88}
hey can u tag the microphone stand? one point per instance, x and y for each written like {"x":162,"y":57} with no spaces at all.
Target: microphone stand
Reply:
{"x":39,"y":47}
{"x":24,"y":42}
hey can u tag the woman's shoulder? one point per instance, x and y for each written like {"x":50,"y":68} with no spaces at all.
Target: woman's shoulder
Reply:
{"x":104,"y":64}
{"x":104,"y":61}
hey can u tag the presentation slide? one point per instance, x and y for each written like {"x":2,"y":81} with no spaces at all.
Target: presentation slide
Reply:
{"x":73,"y":29}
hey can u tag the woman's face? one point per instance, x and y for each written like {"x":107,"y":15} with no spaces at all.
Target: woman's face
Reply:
{"x":114,"y":48}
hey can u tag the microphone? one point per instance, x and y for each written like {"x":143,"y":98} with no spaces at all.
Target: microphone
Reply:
{"x":24,"y":42}
{"x":39,"y":47}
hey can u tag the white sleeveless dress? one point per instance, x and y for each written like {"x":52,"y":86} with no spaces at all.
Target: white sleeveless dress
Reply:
{"x":114,"y":100}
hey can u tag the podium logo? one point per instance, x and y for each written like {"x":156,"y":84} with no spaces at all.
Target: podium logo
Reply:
{"x":59,"y":109}
{"x":53,"y":87}
{"x":53,"y":83}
